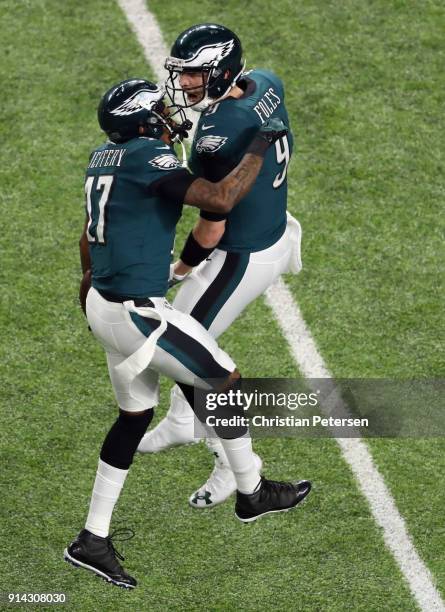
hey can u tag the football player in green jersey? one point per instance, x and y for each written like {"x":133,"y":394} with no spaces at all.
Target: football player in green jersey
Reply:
{"x":135,"y":189}
{"x":257,"y":241}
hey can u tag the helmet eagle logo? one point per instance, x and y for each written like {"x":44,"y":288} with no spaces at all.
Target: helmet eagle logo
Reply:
{"x":211,"y":53}
{"x":143,"y":99}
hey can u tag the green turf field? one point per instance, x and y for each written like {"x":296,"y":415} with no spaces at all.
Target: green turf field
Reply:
{"x":365,"y":91}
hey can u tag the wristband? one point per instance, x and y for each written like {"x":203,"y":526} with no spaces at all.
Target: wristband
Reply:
{"x":193,"y":253}
{"x":212,"y":216}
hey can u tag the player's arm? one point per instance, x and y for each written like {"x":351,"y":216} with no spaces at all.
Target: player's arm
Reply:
{"x":210,"y":227}
{"x":216,"y":198}
{"x":208,"y":232}
{"x":221,"y":197}
{"x":199,"y":245}
{"x":85,"y":262}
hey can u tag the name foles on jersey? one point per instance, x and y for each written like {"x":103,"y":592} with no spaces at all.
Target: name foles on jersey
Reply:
{"x":210,"y":144}
{"x":167,"y":161}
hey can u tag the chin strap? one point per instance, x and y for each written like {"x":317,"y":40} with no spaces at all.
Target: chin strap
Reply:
{"x":178,"y":131}
{"x":184,"y":163}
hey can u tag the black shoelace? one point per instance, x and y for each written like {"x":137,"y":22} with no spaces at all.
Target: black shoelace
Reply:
{"x":276,"y":487}
{"x":125,"y":531}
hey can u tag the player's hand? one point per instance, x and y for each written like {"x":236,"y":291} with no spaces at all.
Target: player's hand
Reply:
{"x":175,"y":279}
{"x":272,"y":130}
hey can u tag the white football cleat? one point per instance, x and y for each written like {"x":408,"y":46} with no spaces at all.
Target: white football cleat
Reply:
{"x":220,"y":485}
{"x":166,"y":434}
{"x":178,"y":426}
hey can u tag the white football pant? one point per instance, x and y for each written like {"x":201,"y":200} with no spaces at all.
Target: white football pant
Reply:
{"x":220,"y":288}
{"x":185,"y":351}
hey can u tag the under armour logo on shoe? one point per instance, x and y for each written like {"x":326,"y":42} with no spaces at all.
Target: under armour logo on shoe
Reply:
{"x":206,"y":497}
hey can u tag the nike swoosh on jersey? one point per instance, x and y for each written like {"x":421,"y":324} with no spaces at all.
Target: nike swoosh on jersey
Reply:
{"x":166,"y":147}
{"x":206,"y":127}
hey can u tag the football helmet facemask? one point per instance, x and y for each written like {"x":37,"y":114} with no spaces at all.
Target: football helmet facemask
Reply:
{"x":214,"y":52}
{"x":136,"y":103}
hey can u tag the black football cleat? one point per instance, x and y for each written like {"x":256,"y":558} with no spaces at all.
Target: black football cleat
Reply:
{"x":99,"y":556}
{"x":270,"y":496}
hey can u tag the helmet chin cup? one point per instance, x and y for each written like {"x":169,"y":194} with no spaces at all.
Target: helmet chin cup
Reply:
{"x":204,"y":104}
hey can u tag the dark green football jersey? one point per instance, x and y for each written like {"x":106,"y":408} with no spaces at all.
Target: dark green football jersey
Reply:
{"x":222,"y":137}
{"x":131,"y":230}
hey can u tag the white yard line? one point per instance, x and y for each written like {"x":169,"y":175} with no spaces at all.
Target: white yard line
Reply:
{"x":357,"y":455}
{"x":311,"y":364}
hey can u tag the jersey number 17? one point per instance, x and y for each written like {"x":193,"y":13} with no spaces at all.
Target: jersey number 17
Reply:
{"x":96,"y":218}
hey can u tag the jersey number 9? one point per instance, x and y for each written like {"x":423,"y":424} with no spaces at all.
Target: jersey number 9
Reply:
{"x":283,"y":156}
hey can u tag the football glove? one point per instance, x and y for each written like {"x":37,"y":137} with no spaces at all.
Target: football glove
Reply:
{"x":175,"y":279}
{"x":272,"y":130}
